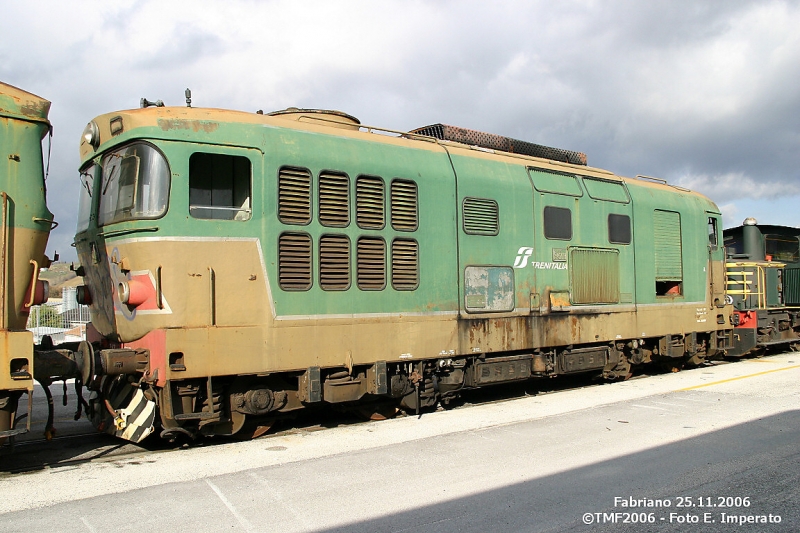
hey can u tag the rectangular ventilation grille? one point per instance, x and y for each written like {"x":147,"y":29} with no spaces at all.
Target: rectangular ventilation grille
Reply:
{"x":404,"y":205}
{"x":667,"y":237}
{"x":371,"y":263}
{"x":294,"y":196}
{"x":405,"y":264}
{"x":595,"y":276}
{"x":294,"y":261}
{"x":791,"y":286}
{"x":481,"y":216}
{"x":334,"y":200}
{"x":334,"y":262}
{"x":370,"y":202}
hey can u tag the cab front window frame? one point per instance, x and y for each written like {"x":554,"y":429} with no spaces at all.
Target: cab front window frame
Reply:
{"x":86,"y":214}
{"x":134,"y":184}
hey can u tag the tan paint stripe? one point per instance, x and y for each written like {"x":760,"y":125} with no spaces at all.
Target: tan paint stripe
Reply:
{"x":740,"y":377}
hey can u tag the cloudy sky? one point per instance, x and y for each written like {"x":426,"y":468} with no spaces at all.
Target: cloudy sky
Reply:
{"x":702,"y":94}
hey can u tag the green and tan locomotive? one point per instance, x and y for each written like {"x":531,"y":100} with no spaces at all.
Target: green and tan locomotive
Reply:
{"x":243,"y":265}
{"x":25,"y":227}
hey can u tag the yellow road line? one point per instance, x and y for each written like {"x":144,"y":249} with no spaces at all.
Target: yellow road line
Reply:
{"x":738,"y":378}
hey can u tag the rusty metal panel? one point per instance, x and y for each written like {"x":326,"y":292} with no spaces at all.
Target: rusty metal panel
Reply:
{"x":582,"y":359}
{"x":488,"y":289}
{"x":594,"y":276}
{"x":498,"y":142}
{"x":310,"y":386}
{"x":502,"y":369}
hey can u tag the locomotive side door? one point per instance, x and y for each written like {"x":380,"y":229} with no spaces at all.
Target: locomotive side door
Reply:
{"x":495,"y":230}
{"x":716,"y":260}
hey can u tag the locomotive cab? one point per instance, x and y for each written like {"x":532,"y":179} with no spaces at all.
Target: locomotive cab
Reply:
{"x":763,"y":272}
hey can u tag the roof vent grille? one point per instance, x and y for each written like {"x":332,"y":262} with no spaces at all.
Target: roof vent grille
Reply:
{"x":498,"y":142}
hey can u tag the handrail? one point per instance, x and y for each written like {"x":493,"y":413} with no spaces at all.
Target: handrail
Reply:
{"x":651,"y":178}
{"x":3,"y":258}
{"x":53,"y":223}
{"x":212,"y":296}
{"x":117,"y":232}
{"x":34,"y":281}
{"x":756,"y":274}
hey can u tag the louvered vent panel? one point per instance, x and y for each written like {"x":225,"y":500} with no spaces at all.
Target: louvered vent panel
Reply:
{"x":294,"y":261}
{"x":294,"y":196}
{"x":667,"y":240}
{"x":404,"y":205}
{"x":334,"y":200}
{"x":370,"y":202}
{"x":594,"y":276}
{"x":405,"y":264}
{"x":481,"y":216}
{"x":371,"y":263}
{"x":334,"y":262}
{"x":791,"y":286}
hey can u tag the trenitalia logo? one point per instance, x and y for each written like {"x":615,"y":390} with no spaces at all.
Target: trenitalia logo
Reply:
{"x":522,"y":257}
{"x":524,"y":253}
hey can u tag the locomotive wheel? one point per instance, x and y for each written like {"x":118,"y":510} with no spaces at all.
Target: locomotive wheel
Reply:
{"x":252,"y":429}
{"x":377,"y":411}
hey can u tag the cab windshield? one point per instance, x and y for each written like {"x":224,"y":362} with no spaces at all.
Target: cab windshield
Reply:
{"x":87,"y":191}
{"x":783,"y":248}
{"x":134,"y":184}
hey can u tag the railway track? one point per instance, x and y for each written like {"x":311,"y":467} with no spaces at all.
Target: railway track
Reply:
{"x":71,"y":450}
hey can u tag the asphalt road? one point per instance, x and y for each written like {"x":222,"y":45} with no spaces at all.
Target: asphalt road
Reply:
{"x":708,"y":445}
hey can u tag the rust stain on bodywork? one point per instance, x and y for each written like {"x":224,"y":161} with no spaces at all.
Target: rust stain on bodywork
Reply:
{"x":207,"y":126}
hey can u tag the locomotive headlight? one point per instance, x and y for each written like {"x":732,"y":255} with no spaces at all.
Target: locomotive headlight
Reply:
{"x":82,"y":295}
{"x":132,"y":293}
{"x":124,"y":292}
{"x":91,"y":134}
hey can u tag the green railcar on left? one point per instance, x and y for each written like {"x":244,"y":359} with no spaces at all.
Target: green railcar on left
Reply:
{"x":24,"y":230}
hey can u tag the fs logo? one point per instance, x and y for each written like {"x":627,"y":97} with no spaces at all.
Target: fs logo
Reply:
{"x":522,"y":257}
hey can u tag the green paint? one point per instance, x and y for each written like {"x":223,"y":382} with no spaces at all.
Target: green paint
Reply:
{"x":443,"y":182}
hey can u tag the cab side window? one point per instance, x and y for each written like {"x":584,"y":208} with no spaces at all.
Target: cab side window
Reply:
{"x":557,"y":223}
{"x":219,"y":186}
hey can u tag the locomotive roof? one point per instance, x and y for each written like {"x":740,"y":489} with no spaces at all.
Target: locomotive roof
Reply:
{"x":19,"y":104}
{"x":196,"y":119}
{"x":769,"y":229}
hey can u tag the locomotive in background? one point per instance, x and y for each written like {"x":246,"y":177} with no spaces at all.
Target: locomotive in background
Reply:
{"x":240,"y":266}
{"x":24,"y":229}
{"x":763,"y":273}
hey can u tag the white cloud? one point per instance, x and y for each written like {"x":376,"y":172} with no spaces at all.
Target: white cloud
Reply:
{"x":737,"y":185}
{"x":641,"y":87}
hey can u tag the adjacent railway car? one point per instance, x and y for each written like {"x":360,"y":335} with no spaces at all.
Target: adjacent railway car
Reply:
{"x":764,"y":286}
{"x":25,"y":227}
{"x":242,"y":265}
